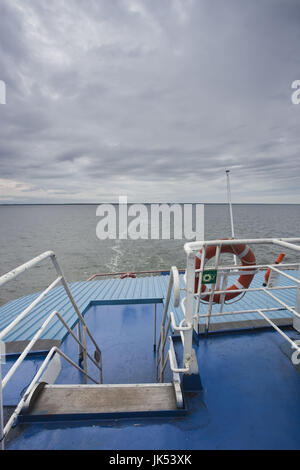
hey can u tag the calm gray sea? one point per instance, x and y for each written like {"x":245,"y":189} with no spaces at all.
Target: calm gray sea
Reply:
{"x":70,"y":231}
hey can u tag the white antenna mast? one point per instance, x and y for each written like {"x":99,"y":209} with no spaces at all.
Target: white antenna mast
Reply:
{"x":230,"y":208}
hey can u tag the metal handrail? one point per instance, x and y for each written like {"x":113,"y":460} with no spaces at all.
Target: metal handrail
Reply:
{"x":61,"y":278}
{"x":23,"y":267}
{"x":161,"y":360}
{"x":180,"y":270}
{"x":257,"y":267}
{"x":30,"y":345}
{"x":198,"y":245}
{"x":192,"y":250}
{"x":83,"y":353}
{"x":21,"y":403}
{"x":159,"y":271}
{"x":174,"y":280}
{"x":28,"y":309}
{"x":191,"y":317}
{"x":247,"y":289}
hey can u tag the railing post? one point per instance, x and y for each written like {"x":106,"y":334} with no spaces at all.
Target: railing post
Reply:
{"x":189,"y":306}
{"x":84,"y":354}
{"x":296,"y":321}
{"x":191,"y":379}
{"x":213,"y":288}
{"x":65,"y":284}
{"x":80,"y":351}
{"x":162,"y":353}
{"x":174,"y":279}
{"x":101,"y":367}
{"x":224,"y":287}
{"x":1,"y":409}
{"x":196,"y":319}
{"x":154,"y":339}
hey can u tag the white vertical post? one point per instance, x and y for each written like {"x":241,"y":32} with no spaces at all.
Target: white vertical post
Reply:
{"x":154,"y":339}
{"x":162,"y":353}
{"x":230,"y":209}
{"x":196,"y":320}
{"x":189,"y":359}
{"x":84,"y":354}
{"x":1,"y":409}
{"x":213,"y":288}
{"x":224,"y":287}
{"x":65,"y":284}
{"x":296,"y":321}
{"x":201,"y":238}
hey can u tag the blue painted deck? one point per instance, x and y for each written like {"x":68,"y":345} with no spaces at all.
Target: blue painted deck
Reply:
{"x":151,"y":289}
{"x":250,"y":398}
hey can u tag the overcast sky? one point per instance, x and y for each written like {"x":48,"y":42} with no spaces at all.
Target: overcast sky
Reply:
{"x":152,"y":99}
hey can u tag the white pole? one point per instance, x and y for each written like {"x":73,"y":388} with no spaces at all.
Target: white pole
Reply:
{"x":296,"y":321}
{"x":230,"y":209}
{"x":154,"y":339}
{"x":1,"y":410}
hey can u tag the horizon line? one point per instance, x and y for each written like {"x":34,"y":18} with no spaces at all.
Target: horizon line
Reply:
{"x":137,"y":202}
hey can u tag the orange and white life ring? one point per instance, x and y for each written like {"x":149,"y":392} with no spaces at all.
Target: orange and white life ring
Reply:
{"x":247,"y":258}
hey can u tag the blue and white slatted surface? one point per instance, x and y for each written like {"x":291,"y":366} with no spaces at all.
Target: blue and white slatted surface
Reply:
{"x":151,"y":289}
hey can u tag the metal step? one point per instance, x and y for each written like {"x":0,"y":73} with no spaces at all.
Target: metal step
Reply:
{"x":64,"y":402}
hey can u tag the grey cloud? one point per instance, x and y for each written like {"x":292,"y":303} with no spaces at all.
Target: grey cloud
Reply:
{"x":149,"y":94}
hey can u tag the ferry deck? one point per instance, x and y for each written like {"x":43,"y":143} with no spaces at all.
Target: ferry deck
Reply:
{"x":143,"y":363}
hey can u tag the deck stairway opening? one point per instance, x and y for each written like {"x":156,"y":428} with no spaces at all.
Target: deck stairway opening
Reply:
{"x":55,"y":398}
{"x":44,"y":399}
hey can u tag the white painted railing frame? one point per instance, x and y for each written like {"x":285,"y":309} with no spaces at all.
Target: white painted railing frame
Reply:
{"x":185,"y":329}
{"x":34,"y":381}
{"x":192,"y":250}
{"x":83,"y":353}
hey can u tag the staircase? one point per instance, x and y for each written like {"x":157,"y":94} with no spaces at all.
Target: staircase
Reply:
{"x":45,"y":400}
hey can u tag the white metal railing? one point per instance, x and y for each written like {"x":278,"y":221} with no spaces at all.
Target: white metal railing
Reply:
{"x":224,"y":272}
{"x":184,"y":328}
{"x":82,"y":343}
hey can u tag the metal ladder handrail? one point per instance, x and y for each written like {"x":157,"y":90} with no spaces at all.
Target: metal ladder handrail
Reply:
{"x":83,"y":353}
{"x":31,"y":344}
{"x":61,"y":278}
{"x":31,"y":386}
{"x":161,"y":361}
{"x":173,"y":280}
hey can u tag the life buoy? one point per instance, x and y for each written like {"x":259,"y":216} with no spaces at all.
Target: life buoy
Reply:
{"x":127,"y":275}
{"x":267,"y":275}
{"x":247,"y":258}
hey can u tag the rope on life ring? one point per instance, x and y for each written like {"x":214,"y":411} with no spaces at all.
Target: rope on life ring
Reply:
{"x":247,"y":258}
{"x":127,"y":275}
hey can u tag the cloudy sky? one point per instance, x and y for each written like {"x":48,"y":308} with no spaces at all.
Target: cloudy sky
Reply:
{"x":152,"y":99}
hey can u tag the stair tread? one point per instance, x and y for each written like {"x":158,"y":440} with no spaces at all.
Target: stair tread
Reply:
{"x":82,"y":399}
